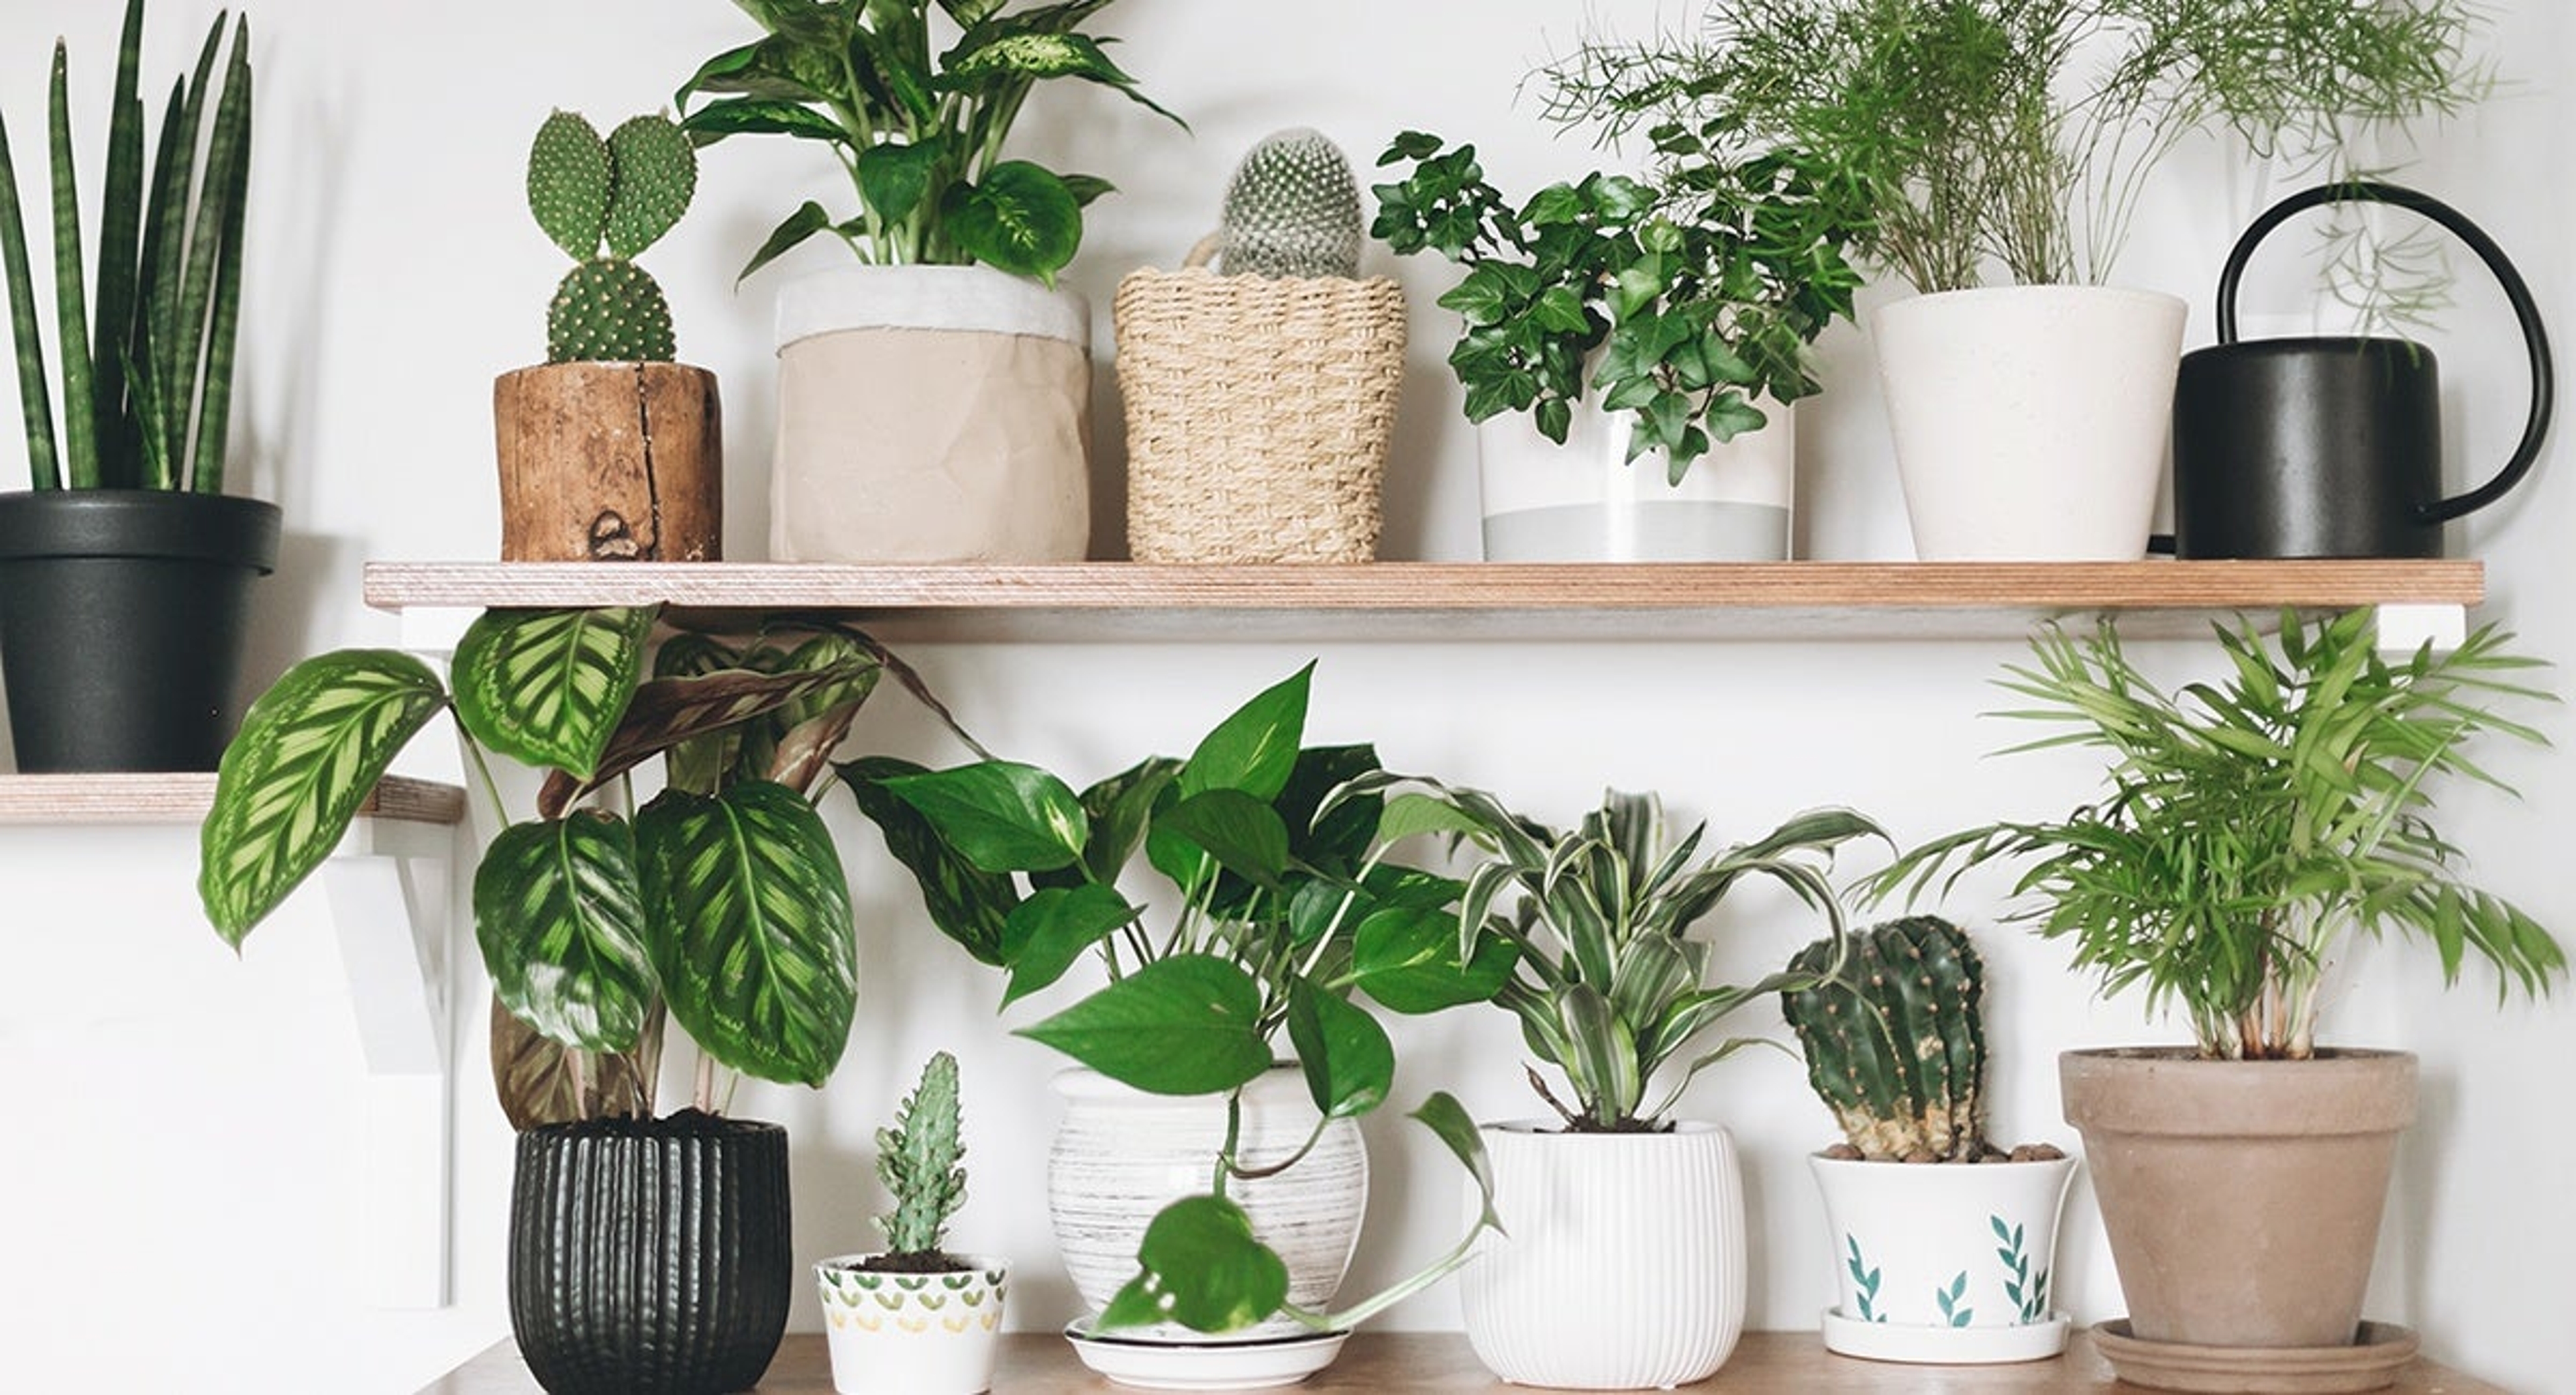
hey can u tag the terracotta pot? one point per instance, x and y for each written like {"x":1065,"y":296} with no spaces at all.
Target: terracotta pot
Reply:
{"x":2242,"y":1198}
{"x":610,"y":462}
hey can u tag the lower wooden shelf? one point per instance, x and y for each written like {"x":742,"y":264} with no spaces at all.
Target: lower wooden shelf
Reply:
{"x":1780,"y":1363}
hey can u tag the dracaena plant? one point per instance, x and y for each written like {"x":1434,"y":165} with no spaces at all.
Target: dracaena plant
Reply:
{"x":1611,"y":989}
{"x":1683,"y":303}
{"x":147,"y":357}
{"x":2250,"y":827}
{"x":722,"y":900}
{"x":1285,"y":915}
{"x":918,"y":120}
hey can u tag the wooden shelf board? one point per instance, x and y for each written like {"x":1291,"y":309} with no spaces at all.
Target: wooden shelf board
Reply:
{"x":184,"y":798}
{"x":1427,"y":600}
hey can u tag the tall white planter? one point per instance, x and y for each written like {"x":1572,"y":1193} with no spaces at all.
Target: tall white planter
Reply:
{"x":1624,"y":1266}
{"x":2030,"y":421}
{"x":1583,"y":502}
{"x":931,"y":414}
{"x":1122,"y":1155}
{"x":1944,"y":1263}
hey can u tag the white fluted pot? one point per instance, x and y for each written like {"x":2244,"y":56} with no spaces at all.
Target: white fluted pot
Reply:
{"x":1624,"y":1267}
{"x":1122,"y":1155}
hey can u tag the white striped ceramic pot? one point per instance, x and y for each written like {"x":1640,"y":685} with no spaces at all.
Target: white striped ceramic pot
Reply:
{"x":913,"y":1334}
{"x":1624,"y":1266}
{"x":1122,"y":1155}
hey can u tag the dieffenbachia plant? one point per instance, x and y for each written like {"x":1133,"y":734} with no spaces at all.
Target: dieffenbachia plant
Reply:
{"x":147,"y":363}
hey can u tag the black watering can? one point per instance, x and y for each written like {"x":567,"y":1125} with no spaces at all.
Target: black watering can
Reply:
{"x":2331,"y":447}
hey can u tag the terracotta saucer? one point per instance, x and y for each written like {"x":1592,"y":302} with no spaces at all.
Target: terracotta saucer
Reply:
{"x":2380,"y":1350}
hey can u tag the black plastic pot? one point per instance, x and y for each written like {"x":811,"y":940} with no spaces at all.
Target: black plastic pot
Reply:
{"x":122,"y":616}
{"x":650,"y":1257}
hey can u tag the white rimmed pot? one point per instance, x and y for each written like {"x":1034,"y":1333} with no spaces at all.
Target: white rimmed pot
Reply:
{"x":1583,"y":502}
{"x":2030,"y":421}
{"x":1122,"y":1155}
{"x":1624,"y":1266}
{"x":931,"y":414}
{"x":1943,"y":1263}
{"x":936,"y":1333}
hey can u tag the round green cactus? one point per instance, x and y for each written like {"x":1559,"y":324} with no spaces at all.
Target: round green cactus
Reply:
{"x":620,"y":194}
{"x":654,"y":175}
{"x":1895,"y":1043}
{"x":570,"y":180}
{"x":609,"y":311}
{"x":1292,"y":210}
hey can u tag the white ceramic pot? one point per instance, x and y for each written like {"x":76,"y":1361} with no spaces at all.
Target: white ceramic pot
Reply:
{"x":2030,"y":421}
{"x":1624,"y":1266}
{"x":1944,"y":1263}
{"x":913,"y":1334}
{"x":1583,"y":502}
{"x":931,"y":414}
{"x":1122,"y":1155}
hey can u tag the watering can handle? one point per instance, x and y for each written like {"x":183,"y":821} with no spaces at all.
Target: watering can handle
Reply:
{"x":2535,"y":339}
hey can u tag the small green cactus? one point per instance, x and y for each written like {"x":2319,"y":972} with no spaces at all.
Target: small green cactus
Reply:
{"x":918,"y":1160}
{"x":1895,"y":1044}
{"x":603,"y":202}
{"x":1292,"y":210}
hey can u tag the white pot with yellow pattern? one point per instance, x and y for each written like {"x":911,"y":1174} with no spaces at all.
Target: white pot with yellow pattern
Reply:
{"x":896,"y":1333}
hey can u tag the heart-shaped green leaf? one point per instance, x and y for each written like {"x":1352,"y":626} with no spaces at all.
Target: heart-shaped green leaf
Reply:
{"x":1000,"y":815}
{"x":895,"y":178}
{"x":1050,"y":930}
{"x":1186,"y":1025}
{"x":1118,"y":807}
{"x":1255,"y":748}
{"x":1406,"y":958}
{"x":559,"y":913}
{"x":1348,"y":1061}
{"x":1203,"y":1269}
{"x":1242,"y":833}
{"x":1449,"y":1122}
{"x":1021,"y":219}
{"x":548,"y":687}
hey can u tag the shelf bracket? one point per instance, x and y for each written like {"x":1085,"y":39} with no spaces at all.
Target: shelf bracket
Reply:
{"x":2406,"y":627}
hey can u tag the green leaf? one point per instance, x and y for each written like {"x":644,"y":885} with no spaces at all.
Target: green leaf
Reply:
{"x":548,"y":687}
{"x":776,"y":68}
{"x":669,"y":713}
{"x":572,"y":209}
{"x":760,"y":116}
{"x":1000,"y":815}
{"x":1020,"y":219}
{"x":1348,"y":1061}
{"x":1449,"y":1122}
{"x":559,"y":913}
{"x":1087,"y":189}
{"x":1242,"y":833}
{"x":1029,"y":55}
{"x":1118,"y":807}
{"x":967,"y":903}
{"x":750,"y":928}
{"x":895,"y":178}
{"x":1049,"y":931}
{"x":309,"y":753}
{"x":806,"y":221}
{"x":1254,"y":749}
{"x":1407,"y":959}
{"x":1203,"y":1269}
{"x":1185,"y":1025}
{"x":969,"y":13}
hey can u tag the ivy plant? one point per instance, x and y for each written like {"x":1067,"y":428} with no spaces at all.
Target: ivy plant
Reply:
{"x":1684,"y":303}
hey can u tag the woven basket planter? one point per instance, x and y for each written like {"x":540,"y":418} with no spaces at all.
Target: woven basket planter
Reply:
{"x":1259,"y":412}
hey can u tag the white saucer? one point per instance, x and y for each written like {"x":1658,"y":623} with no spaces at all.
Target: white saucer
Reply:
{"x":1261,"y":1364}
{"x":1944,"y":1346}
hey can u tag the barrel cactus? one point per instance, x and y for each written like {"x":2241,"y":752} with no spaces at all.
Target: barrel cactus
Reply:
{"x":603,"y":201}
{"x":1895,"y":1045}
{"x":918,"y":1161}
{"x":1292,"y":210}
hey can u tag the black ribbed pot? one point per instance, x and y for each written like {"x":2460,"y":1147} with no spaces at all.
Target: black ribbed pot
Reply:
{"x":122,"y":616}
{"x":650,"y":1257}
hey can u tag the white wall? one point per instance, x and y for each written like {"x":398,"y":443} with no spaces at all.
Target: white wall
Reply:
{"x":184,"y":1170}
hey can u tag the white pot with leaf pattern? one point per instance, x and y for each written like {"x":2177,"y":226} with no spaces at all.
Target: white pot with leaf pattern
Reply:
{"x":1944,"y":1263}
{"x":892,"y":1333}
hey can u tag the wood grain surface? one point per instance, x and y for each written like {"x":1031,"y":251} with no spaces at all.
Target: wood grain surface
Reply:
{"x":185,"y":797}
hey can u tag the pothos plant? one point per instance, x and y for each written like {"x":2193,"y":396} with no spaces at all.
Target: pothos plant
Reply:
{"x":1682,"y":303}
{"x":1285,"y":916}
{"x":721,"y":900}
{"x":917,"y":120}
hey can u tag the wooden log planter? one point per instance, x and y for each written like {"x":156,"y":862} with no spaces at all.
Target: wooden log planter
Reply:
{"x":610,"y":462}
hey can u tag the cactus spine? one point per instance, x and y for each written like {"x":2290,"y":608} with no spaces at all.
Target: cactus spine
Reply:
{"x":1292,"y":210}
{"x":603,"y":202}
{"x":1894,"y":1044}
{"x":918,"y":1159}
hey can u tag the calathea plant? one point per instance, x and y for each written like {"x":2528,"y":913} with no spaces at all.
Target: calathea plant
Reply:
{"x":603,"y":201}
{"x":722,"y":899}
{"x":1680,"y":303}
{"x":917,"y":120}
{"x":1284,"y":917}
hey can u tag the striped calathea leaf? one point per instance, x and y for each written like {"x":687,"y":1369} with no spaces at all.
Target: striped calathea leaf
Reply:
{"x":559,"y":914}
{"x":548,"y":688}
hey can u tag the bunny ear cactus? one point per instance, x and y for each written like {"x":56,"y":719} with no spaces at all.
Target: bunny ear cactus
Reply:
{"x":1293,"y":210}
{"x":1895,"y":1044}
{"x":603,"y":201}
{"x":918,"y":1161}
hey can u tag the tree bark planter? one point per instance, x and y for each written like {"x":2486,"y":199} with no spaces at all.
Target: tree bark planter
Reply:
{"x":1624,"y":1268}
{"x":1944,"y":1263}
{"x":890,"y":1333}
{"x":650,"y":1257}
{"x":122,"y":617}
{"x":610,"y":462}
{"x":1585,"y":502}
{"x":2242,"y":1198}
{"x":931,"y":414}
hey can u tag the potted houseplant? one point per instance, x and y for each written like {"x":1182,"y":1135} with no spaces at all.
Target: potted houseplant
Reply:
{"x":610,"y":450}
{"x":646,"y":1254}
{"x":933,"y":403}
{"x":2248,"y":831}
{"x":125,"y":571}
{"x":1687,"y":305}
{"x":1943,"y":1244}
{"x":1988,"y":143}
{"x":1280,"y":361}
{"x":915,"y":1319}
{"x":1624,"y":1263}
{"x":1284,"y":915}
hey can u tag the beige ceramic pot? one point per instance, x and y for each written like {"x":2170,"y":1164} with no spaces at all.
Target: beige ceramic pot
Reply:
{"x":2242,"y":1198}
